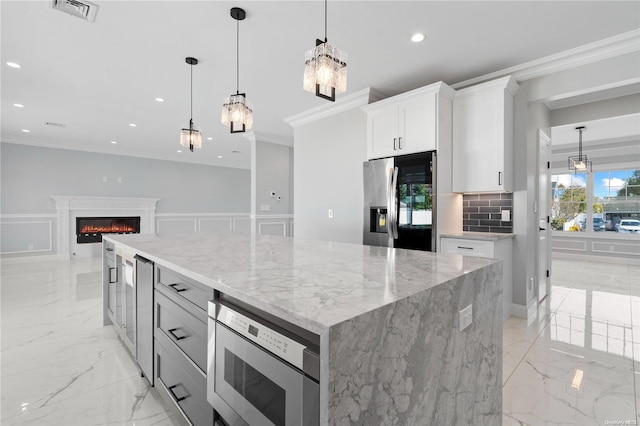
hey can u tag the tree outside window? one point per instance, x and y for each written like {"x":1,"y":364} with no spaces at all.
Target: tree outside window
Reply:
{"x":569,"y":202}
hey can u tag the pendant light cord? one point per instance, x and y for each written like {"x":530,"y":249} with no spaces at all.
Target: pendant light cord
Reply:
{"x":191,"y":113}
{"x":237,"y":57}
{"x":325,"y":21}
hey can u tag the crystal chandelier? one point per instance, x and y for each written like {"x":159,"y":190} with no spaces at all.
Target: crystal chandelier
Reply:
{"x":325,"y":71}
{"x":580,"y":163}
{"x":237,"y":113}
{"x":191,"y":137}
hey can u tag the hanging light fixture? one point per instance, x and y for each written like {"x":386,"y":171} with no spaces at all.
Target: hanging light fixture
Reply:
{"x":325,"y":70}
{"x":236,"y":111}
{"x":580,"y":163}
{"x":191,"y":137}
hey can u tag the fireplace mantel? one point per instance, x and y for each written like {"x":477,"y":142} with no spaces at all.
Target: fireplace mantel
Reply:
{"x":68,"y":207}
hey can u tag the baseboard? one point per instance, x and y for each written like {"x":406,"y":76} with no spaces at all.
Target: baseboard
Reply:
{"x":14,"y":260}
{"x":599,"y":259}
{"x":518,"y":311}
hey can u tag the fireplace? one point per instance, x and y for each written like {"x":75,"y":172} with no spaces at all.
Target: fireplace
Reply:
{"x":90,"y":229}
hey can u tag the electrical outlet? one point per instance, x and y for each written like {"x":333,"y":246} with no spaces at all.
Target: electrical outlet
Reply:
{"x":330,"y":213}
{"x":104,"y":179}
{"x":265,"y":207}
{"x":506,"y":216}
{"x":30,"y":247}
{"x":466,"y":317}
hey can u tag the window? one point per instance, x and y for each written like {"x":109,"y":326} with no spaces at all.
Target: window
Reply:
{"x":595,"y":202}
{"x":569,"y":202}
{"x":616,"y":196}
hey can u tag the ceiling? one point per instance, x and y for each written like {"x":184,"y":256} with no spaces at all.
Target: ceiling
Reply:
{"x":97,"y":78}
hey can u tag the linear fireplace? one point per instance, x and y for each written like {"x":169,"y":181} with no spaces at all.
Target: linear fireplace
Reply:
{"x":90,"y":229}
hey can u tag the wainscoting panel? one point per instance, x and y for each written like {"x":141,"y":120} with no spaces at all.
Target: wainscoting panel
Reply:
{"x":569,"y":245}
{"x":617,"y":247}
{"x":272,"y":228}
{"x":33,"y":235}
{"x":215,"y":224}
{"x":242,"y":224}
{"x":175,"y":226}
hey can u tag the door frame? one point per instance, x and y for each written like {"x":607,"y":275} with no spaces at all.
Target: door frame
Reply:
{"x":543,"y":285}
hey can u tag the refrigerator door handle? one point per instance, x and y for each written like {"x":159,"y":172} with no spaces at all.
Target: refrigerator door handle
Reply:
{"x":391,"y":203}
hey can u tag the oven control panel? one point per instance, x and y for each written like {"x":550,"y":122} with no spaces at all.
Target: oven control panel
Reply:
{"x":274,"y":342}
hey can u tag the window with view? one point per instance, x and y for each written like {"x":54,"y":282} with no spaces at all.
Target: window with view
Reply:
{"x":596,"y":202}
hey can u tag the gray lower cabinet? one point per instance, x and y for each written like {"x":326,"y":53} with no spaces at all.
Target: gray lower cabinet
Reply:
{"x":180,"y":336}
{"x":144,"y":316}
{"x":110,"y":281}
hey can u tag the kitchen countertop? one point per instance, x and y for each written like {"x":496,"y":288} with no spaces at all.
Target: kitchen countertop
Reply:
{"x":481,"y":236}
{"x":314,"y":284}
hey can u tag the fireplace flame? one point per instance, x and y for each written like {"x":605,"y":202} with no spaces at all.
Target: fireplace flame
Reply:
{"x":114,"y":228}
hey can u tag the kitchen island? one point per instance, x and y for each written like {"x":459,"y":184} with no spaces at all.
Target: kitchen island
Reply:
{"x":388,"y":320}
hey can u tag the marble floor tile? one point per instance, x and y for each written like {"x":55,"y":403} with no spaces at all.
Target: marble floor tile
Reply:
{"x":563,"y":384}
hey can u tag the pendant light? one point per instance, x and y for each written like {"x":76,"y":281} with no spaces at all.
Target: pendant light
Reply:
{"x":580,"y":163}
{"x":236,"y":111}
{"x":191,"y":137}
{"x":325,"y":71}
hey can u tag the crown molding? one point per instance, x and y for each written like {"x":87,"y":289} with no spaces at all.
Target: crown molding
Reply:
{"x":593,"y":52}
{"x":355,"y":100}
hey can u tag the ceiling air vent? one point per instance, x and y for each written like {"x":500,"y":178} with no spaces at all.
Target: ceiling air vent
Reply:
{"x":82,"y":9}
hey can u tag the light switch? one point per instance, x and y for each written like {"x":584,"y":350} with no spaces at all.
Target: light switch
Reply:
{"x":330,"y":213}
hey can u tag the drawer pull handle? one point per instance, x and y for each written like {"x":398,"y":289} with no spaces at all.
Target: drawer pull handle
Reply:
{"x":170,"y":389}
{"x":109,"y":249}
{"x":111,"y":279}
{"x":177,"y":290}
{"x":174,"y":335}
{"x":466,"y":248}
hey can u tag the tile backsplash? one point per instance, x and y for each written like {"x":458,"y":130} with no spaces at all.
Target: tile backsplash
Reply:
{"x":483,"y":212}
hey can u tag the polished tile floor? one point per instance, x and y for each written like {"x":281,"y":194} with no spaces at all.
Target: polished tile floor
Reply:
{"x":577,"y":363}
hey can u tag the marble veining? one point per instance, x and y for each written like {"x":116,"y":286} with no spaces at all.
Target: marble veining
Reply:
{"x":408,"y":364}
{"x":314,"y":284}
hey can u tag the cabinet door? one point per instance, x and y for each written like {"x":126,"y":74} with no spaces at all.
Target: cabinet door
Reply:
{"x":478,"y":143}
{"x":417,"y":125}
{"x":383,"y":132}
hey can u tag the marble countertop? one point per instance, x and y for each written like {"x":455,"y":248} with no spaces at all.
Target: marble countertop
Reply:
{"x":482,"y":236}
{"x":314,"y":284}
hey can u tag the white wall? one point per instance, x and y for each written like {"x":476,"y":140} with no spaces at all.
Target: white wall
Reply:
{"x":328,"y":157}
{"x":273,"y":173}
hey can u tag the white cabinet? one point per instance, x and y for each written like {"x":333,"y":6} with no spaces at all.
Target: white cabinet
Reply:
{"x":483,"y":137}
{"x":404,"y":124}
{"x":500,"y":248}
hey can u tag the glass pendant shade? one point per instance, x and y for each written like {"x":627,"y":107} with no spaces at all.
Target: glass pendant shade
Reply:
{"x":325,"y":71}
{"x":237,"y":113}
{"x":191,"y":138}
{"x":580,"y":163}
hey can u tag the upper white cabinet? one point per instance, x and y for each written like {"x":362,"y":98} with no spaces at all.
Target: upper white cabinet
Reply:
{"x":483,"y":137}
{"x":405,"y":124}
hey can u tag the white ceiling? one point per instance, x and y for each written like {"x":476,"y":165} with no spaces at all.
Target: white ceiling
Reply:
{"x":96,"y":78}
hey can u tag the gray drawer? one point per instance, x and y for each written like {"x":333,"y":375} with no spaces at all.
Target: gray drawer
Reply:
{"x":184,"y":287}
{"x":184,"y":383}
{"x":181,"y":327}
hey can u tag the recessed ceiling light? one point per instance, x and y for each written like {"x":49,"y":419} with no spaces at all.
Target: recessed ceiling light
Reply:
{"x":209,"y":139}
{"x":179,"y":150}
{"x":114,"y":142}
{"x":14,"y":65}
{"x":18,"y":105}
{"x":159,"y":100}
{"x":132,"y":125}
{"x":417,"y":37}
{"x":219,"y":156}
{"x":26,"y":130}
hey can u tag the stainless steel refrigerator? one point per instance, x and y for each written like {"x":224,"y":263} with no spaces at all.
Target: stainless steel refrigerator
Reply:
{"x":399,"y":202}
